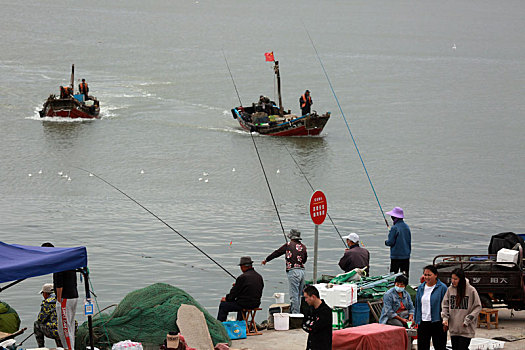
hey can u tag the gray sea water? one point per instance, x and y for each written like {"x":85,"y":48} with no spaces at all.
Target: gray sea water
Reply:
{"x":439,"y":128}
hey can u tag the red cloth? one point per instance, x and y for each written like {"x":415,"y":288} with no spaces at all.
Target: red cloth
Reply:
{"x":371,"y":336}
{"x":269,"y":56}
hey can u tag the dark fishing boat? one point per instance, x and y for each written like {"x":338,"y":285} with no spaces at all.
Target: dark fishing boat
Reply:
{"x":70,"y":105}
{"x":266,"y":118}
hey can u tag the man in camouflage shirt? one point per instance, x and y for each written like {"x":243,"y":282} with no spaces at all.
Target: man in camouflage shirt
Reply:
{"x":46,"y":323}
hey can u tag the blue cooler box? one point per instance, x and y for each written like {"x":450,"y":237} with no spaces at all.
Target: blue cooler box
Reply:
{"x":235,"y":329}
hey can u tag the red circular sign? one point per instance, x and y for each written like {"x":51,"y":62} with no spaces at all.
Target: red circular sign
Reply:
{"x":318,"y":207}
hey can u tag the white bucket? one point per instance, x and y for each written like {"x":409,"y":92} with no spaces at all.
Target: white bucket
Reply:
{"x":281,"y":322}
{"x":279,"y":298}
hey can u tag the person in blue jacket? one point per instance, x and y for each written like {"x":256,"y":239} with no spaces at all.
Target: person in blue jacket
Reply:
{"x":400,"y":242}
{"x":398,"y":309}
{"x":428,"y":311}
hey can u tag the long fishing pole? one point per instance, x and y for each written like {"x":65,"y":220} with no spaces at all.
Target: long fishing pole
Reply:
{"x":308,"y":181}
{"x":158,"y":218}
{"x":347,"y":125}
{"x":269,"y":188}
{"x":231,"y":75}
{"x":258,"y":156}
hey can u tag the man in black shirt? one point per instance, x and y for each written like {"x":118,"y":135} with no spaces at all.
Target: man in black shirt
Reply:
{"x":65,"y":283}
{"x":318,"y":321}
{"x":246,"y":292}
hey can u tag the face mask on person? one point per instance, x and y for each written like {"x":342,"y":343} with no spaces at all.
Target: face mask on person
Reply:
{"x":399,"y":289}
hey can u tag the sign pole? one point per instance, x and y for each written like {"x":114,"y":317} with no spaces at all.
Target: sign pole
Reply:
{"x":316,"y":244}
{"x":318,"y":210}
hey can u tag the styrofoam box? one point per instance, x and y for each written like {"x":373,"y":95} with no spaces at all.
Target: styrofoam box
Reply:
{"x":507,"y":255}
{"x":338,"y":295}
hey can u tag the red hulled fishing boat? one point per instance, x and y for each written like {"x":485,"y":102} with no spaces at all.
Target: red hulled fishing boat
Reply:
{"x":266,"y":118}
{"x":70,"y":105}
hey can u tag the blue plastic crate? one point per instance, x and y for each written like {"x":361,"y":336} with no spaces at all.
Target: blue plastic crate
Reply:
{"x":79,"y":97}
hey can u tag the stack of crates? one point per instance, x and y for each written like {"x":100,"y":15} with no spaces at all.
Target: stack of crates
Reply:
{"x":339,"y":317}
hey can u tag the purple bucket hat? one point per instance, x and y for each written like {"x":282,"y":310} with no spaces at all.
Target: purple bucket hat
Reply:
{"x":397,"y":212}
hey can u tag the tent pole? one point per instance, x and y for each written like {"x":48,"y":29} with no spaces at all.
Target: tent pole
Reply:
{"x":85,"y":273}
{"x":11,"y":284}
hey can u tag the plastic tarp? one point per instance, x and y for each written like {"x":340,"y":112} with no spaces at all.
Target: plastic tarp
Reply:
{"x":18,"y":261}
{"x":505,"y":240}
{"x":371,"y":336}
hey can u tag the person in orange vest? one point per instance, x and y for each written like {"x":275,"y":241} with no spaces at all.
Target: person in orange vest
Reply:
{"x":65,"y":91}
{"x":305,"y":102}
{"x":84,"y":89}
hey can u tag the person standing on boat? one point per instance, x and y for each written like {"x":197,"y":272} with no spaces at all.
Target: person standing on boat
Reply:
{"x":400,"y":242}
{"x":65,"y":283}
{"x":305,"y":102}
{"x":84,"y":89}
{"x":355,"y":256}
{"x":295,"y":256}
{"x":246,"y":292}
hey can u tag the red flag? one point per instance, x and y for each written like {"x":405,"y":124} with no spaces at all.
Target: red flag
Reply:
{"x":269,"y":56}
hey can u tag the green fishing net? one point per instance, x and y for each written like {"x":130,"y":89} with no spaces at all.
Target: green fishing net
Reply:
{"x":145,"y":315}
{"x":9,"y":320}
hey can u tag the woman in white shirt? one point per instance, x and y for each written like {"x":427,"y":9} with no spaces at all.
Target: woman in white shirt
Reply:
{"x":428,"y":311}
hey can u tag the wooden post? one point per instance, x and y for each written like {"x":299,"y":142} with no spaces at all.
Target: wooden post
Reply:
{"x":276,"y":69}
{"x":73,"y":77}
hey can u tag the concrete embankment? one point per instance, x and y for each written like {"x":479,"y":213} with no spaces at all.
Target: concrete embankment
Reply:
{"x":295,"y":339}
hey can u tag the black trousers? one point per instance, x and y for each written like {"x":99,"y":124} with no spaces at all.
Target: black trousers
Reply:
{"x":402,"y":265}
{"x":428,"y":330}
{"x":459,"y":342}
{"x":305,"y":110}
{"x":226,"y":307}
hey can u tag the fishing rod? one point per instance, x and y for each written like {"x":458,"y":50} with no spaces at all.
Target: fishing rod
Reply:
{"x":158,"y":218}
{"x":258,"y":156}
{"x":308,"y":181}
{"x":269,"y":188}
{"x":347,"y":125}
{"x":231,"y":75}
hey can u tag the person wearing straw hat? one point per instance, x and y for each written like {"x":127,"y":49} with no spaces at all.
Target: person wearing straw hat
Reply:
{"x":400,"y":242}
{"x":295,"y":255}
{"x":246,"y":292}
{"x":46,"y":323}
{"x":355,"y":256}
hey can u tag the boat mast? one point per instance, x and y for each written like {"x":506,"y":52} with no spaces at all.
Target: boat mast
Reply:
{"x":276,"y":70}
{"x":72,"y":76}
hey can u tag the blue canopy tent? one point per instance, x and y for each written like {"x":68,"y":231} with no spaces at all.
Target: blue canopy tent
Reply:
{"x":18,"y":262}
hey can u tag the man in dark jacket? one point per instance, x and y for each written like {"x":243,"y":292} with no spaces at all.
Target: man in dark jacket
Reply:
{"x":246,"y":292}
{"x":84,"y":89}
{"x":305,"y":101}
{"x":355,"y":256}
{"x":400,"y":242}
{"x":295,"y":256}
{"x":65,"y":283}
{"x":318,"y":321}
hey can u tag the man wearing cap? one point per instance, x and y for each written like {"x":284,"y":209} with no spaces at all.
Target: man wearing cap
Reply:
{"x":399,"y":241}
{"x":355,"y":256}
{"x":246,"y":292}
{"x":295,"y":257}
{"x":46,"y":322}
